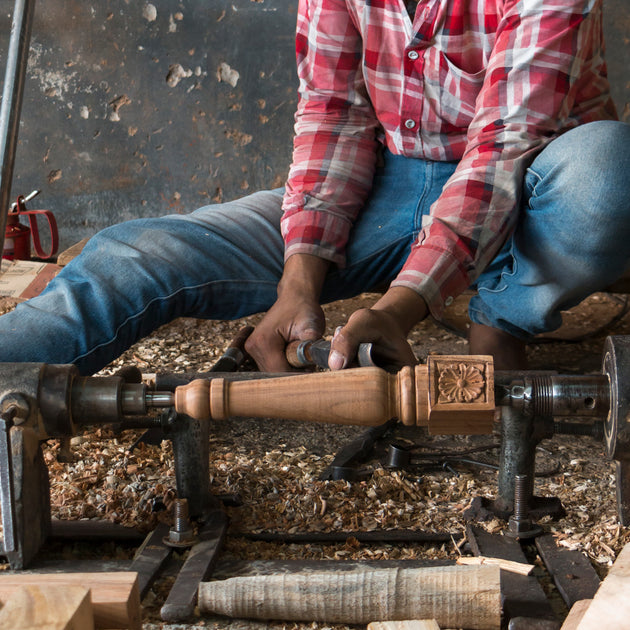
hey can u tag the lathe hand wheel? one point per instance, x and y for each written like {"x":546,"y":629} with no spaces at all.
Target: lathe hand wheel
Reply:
{"x":616,"y":366}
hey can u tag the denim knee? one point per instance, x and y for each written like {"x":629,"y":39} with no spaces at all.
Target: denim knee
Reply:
{"x":572,"y":235}
{"x":589,"y":166}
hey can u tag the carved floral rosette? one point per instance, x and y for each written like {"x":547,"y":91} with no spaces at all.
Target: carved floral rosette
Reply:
{"x":461,"y":394}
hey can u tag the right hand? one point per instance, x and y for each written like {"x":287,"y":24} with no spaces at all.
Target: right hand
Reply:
{"x":296,"y":314}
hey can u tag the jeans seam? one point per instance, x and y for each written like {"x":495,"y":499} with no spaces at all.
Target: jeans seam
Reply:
{"x":535,"y":186}
{"x":156,"y":300}
{"x":504,"y":274}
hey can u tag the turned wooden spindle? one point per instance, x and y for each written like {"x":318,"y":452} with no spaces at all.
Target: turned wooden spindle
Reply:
{"x":448,"y":394}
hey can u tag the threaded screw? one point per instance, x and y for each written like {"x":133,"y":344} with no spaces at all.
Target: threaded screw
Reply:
{"x":181,"y":533}
{"x":521,"y":500}
{"x":519,"y":524}
{"x":180,"y":515}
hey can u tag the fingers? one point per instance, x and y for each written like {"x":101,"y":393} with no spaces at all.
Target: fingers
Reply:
{"x":370,"y":326}
{"x":286,"y":321}
{"x":267,"y":350}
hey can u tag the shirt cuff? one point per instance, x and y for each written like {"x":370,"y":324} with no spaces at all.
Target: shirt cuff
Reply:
{"x":436,"y":275}
{"x":316,"y":232}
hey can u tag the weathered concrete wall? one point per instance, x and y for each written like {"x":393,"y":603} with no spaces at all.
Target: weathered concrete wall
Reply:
{"x":617,"y":32}
{"x":136,"y":109}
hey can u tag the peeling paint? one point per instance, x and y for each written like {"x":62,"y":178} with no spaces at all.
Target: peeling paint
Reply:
{"x":149,"y":12}
{"x":176,"y":73}
{"x":227,"y":75}
{"x":53,"y":83}
{"x":54,"y":175}
{"x":238,"y":137}
{"x":116,"y":104}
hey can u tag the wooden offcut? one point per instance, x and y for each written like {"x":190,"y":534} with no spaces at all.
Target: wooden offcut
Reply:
{"x":49,"y":607}
{"x":507,"y":565}
{"x":456,"y":597}
{"x":610,"y":608}
{"x":115,"y":595}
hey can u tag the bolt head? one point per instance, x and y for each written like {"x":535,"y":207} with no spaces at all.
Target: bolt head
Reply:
{"x":180,"y":537}
{"x":522,"y":528}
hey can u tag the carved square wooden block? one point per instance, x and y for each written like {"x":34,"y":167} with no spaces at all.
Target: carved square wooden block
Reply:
{"x":461,"y":394}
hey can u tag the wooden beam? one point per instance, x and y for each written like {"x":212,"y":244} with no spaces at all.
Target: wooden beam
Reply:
{"x":610,"y":608}
{"x":115,"y":595}
{"x":52,"y":607}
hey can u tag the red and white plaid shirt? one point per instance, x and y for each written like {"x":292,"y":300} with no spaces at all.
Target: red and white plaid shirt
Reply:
{"x":485,"y":82}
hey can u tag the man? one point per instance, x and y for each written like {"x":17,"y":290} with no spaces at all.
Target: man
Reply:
{"x":468,"y":144}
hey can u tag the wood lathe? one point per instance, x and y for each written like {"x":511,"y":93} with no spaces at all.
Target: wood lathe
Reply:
{"x":448,"y":395}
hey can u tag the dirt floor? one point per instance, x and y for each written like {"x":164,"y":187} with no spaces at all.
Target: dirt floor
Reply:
{"x":275,"y":466}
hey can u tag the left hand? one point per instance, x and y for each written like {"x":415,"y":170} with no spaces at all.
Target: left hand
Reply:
{"x":386,"y":325}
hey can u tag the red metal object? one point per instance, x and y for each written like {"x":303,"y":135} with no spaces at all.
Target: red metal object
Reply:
{"x":17,"y":237}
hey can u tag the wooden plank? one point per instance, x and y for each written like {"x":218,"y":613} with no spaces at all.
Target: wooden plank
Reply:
{"x":52,"y":607}
{"x":575,"y":615}
{"x":415,"y":624}
{"x":610,"y":608}
{"x":572,"y":572}
{"x":522,"y":595}
{"x":115,"y":596}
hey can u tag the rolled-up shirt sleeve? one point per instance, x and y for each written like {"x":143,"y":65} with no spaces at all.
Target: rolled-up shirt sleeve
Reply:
{"x":335,"y":134}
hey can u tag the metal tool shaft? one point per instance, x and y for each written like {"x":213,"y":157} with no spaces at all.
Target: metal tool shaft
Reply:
{"x":17,"y":58}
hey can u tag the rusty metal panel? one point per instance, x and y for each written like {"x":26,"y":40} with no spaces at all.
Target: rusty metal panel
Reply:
{"x":145,"y":108}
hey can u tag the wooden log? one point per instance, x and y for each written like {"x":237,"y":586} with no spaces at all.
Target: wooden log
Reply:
{"x":452,"y":395}
{"x":52,"y":607}
{"x":456,"y":597}
{"x":415,"y":624}
{"x":115,"y":595}
{"x":610,"y":608}
{"x":577,"y":612}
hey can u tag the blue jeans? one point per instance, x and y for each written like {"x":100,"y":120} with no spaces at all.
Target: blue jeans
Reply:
{"x":224,"y":261}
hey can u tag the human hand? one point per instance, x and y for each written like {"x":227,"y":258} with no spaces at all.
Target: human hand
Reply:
{"x":296,"y":314}
{"x":386,"y":325}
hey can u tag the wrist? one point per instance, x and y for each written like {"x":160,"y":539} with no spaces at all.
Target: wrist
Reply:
{"x":404,"y":305}
{"x":303,"y":274}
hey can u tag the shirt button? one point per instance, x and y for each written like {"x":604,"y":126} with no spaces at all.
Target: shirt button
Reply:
{"x":410,"y":124}
{"x":413,"y":54}
{"x":448,"y":301}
